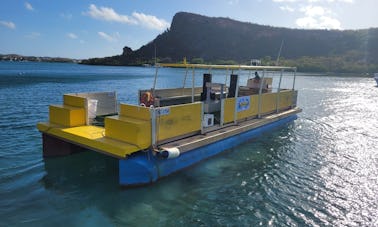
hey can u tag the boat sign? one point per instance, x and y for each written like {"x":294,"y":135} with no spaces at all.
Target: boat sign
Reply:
{"x":163,"y":111}
{"x":243,"y":103}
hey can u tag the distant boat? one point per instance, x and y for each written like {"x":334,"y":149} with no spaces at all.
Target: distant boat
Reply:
{"x":376,"y":77}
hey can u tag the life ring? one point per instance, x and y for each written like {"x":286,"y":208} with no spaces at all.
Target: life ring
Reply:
{"x":147,"y":99}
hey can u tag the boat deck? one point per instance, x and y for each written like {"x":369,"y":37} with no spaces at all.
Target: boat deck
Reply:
{"x":91,"y":137}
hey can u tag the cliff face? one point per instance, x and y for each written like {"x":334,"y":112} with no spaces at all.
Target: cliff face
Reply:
{"x":210,"y":39}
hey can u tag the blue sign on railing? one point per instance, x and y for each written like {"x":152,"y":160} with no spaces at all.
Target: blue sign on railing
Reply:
{"x":243,"y":103}
{"x":163,"y":111}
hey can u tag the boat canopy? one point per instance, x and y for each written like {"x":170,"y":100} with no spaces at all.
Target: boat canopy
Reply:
{"x":230,"y":67}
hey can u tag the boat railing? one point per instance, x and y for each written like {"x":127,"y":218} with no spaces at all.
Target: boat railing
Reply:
{"x":266,"y":98}
{"x":172,"y":96}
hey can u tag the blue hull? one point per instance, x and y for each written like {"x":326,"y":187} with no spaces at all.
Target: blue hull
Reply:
{"x":144,"y":168}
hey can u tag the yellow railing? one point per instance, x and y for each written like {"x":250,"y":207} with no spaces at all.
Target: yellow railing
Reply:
{"x":178,"y":120}
{"x":268,"y":105}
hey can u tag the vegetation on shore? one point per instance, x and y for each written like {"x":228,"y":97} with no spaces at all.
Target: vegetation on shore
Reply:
{"x":210,"y":40}
{"x":204,"y":39}
{"x":16,"y":57}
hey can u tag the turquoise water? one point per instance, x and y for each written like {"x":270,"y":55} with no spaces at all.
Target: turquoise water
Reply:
{"x":321,"y":169}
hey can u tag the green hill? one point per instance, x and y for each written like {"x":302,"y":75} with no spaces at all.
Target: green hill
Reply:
{"x":204,"y":39}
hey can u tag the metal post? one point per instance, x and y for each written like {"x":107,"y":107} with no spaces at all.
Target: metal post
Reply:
{"x":295,"y":74}
{"x":237,"y":84}
{"x":202,"y":116}
{"x":222,"y":113}
{"x":186,"y":74}
{"x":260,"y":92}
{"x":293,"y":104}
{"x":153,"y":126}
{"x":278,"y":92}
{"x":222,"y":106}
{"x":155,"y":79}
{"x":225,"y":82}
{"x":236,"y":100}
{"x":193,"y":75}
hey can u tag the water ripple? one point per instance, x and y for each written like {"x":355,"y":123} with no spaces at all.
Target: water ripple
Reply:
{"x":320,"y":170}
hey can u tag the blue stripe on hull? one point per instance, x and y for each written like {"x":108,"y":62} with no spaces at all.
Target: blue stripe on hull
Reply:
{"x":143,"y":167}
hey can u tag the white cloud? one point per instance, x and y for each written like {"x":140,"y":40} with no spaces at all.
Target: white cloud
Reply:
{"x":108,"y":37}
{"x":151,"y":22}
{"x":280,"y":1}
{"x":72,"y":36}
{"x":233,"y":2}
{"x":329,"y":22}
{"x":331,"y":1}
{"x":8,"y":24}
{"x":28,"y":6}
{"x":306,"y":22}
{"x":316,"y":14}
{"x":313,"y":11}
{"x":109,"y":14}
{"x":317,"y":17}
{"x":322,"y":22}
{"x":313,"y":1}
{"x":287,"y":8}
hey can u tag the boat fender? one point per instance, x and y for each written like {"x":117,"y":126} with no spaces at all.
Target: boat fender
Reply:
{"x":147,"y":99}
{"x":169,"y":153}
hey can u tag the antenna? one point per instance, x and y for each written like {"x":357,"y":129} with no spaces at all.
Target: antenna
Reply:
{"x":279,"y":52}
{"x":155,"y":53}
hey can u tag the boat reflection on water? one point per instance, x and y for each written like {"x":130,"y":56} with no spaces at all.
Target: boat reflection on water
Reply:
{"x":82,"y":170}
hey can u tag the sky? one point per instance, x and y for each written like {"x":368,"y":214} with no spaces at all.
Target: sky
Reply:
{"x":83,"y":29}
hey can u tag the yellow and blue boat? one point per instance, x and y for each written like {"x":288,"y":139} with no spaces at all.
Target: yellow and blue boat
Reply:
{"x":172,"y":129}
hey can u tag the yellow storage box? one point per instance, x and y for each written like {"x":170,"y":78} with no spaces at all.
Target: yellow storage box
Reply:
{"x":74,"y":100}
{"x":66,"y":115}
{"x":129,"y":130}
